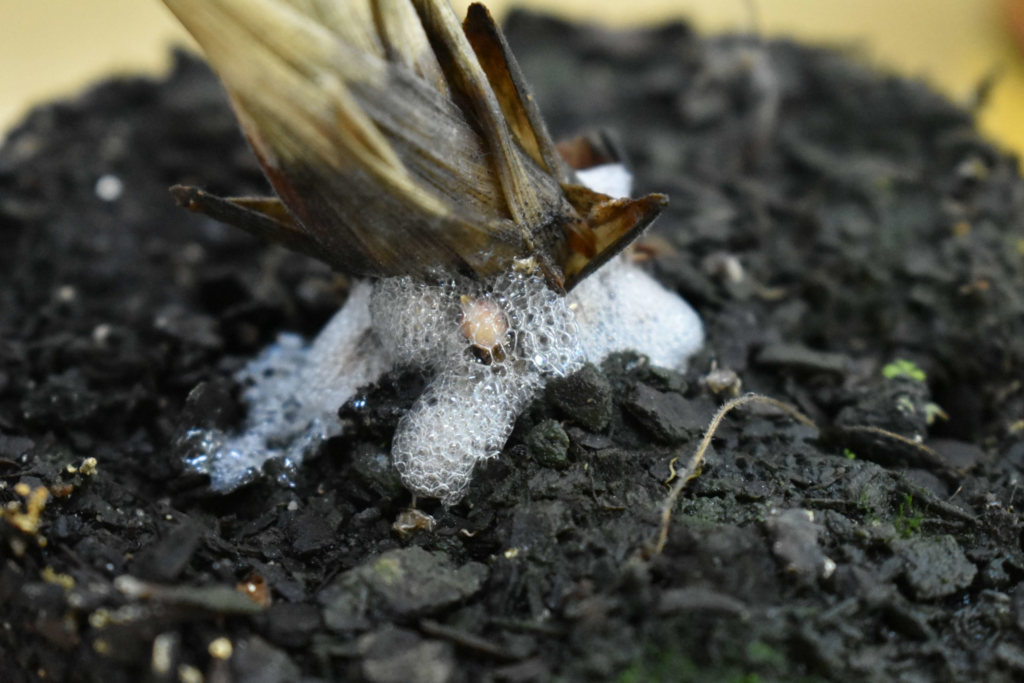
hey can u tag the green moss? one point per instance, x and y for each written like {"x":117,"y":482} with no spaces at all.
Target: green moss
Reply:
{"x":760,"y":663}
{"x":850,"y":455}
{"x":549,"y":444}
{"x":705,"y":512}
{"x":761,"y":653}
{"x":864,"y":501}
{"x":665,"y":666}
{"x":908,"y":519}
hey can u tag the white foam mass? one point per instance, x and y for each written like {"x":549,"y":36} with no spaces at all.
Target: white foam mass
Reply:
{"x":621,"y":307}
{"x":469,"y":409}
{"x":614,"y":180}
{"x":293,"y":392}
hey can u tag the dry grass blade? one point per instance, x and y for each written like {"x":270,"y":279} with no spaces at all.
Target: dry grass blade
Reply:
{"x":401,"y":142}
{"x":692,"y":469}
{"x":533,"y":197}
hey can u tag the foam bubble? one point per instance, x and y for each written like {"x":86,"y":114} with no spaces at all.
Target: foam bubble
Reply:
{"x":468,"y":411}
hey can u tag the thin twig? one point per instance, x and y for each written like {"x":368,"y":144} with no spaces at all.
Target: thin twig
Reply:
{"x":692,"y":468}
{"x":896,"y":437}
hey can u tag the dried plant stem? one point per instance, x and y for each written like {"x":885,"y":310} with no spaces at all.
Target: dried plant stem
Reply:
{"x":895,"y":437}
{"x":692,"y":469}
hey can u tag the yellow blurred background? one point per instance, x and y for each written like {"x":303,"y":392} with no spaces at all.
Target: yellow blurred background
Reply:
{"x":52,"y":48}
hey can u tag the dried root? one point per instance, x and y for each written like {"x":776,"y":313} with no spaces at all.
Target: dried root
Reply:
{"x":692,"y":469}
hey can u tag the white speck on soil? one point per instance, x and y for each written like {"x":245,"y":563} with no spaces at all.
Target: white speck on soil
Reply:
{"x":109,"y":188}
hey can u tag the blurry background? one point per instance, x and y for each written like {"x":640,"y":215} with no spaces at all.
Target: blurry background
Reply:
{"x":51,"y":48}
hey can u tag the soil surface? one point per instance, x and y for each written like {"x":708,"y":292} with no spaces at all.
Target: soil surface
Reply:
{"x":855,"y":248}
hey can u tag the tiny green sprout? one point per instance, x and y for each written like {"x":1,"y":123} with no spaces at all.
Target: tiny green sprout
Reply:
{"x":850,"y":455}
{"x":903,"y":368}
{"x":933,"y":411}
{"x":906,"y":405}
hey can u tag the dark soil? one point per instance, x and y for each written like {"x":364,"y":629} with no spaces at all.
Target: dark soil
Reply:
{"x":827,"y":221}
